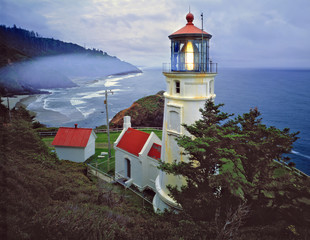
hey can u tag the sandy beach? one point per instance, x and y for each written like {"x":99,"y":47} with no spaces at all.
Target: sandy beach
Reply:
{"x":41,"y":114}
{"x":16,"y":99}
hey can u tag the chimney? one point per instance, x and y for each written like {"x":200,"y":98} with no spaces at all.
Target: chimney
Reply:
{"x":127,"y":122}
{"x":75,"y":126}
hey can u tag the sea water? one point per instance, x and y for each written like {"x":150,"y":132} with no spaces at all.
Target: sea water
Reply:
{"x":282,"y":96}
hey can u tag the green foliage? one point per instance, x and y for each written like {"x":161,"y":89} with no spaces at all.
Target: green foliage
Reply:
{"x":150,"y":103}
{"x":232,"y":161}
{"x":37,"y":124}
{"x":28,"y":43}
{"x":145,"y":112}
{"x":45,"y":198}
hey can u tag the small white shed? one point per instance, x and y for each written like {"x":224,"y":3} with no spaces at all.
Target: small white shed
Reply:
{"x":75,"y":144}
{"x":137,"y":156}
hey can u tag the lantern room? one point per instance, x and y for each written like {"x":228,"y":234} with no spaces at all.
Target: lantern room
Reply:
{"x":190,"y":49}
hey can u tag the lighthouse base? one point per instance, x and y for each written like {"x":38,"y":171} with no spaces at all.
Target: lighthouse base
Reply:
{"x":162,"y":200}
{"x":159,"y":205}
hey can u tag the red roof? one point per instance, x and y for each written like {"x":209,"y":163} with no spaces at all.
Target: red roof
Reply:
{"x":189,"y":28}
{"x":72,"y":137}
{"x":155,"y":151}
{"x":133,"y":141}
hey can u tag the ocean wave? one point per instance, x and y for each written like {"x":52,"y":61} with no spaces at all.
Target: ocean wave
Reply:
{"x":300,"y":154}
{"x":76,"y":102}
{"x":89,"y":95}
{"x":86,"y":111}
{"x":111,"y":81}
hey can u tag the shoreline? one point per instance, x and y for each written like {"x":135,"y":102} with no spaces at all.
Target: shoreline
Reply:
{"x":15,"y":100}
{"x":40,"y":114}
{"x":27,"y":100}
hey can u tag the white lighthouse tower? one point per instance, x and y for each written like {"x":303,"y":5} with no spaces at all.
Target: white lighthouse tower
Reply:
{"x":190,"y":82}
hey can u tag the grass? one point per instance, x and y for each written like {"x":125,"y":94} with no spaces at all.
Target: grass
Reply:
{"x":101,"y":145}
{"x":48,"y":141}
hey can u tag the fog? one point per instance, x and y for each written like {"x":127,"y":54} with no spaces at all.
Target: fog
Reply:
{"x":61,"y":71}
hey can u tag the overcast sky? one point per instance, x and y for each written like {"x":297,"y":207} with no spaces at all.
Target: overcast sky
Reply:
{"x":246,"y":33}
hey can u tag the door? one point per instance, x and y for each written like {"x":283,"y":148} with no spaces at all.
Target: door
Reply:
{"x":128,"y":167}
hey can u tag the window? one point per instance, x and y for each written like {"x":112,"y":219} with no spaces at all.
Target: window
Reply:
{"x":210,"y":87}
{"x":174,"y":121}
{"x":177,"y":87}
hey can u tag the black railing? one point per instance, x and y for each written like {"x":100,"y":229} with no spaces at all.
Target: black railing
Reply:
{"x":190,"y":67}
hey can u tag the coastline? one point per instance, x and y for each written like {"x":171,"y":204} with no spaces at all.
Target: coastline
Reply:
{"x":27,"y":100}
{"x":40,"y":114}
{"x":16,"y":100}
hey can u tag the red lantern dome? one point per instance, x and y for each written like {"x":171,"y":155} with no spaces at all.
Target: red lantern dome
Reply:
{"x":190,"y":48}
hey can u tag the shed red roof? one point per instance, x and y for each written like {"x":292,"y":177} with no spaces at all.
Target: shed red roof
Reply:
{"x":155,"y":151}
{"x":72,"y":137}
{"x":133,"y":141}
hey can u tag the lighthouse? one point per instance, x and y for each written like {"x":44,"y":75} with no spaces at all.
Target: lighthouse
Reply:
{"x":190,"y":82}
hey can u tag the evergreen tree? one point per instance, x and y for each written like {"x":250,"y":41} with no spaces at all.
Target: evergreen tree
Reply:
{"x":210,"y":148}
{"x":230,"y":161}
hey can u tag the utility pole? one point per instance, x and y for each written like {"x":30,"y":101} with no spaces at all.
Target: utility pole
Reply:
{"x":108,"y":127}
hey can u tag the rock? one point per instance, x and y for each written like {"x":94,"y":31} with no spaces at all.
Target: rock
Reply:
{"x":145,"y":112}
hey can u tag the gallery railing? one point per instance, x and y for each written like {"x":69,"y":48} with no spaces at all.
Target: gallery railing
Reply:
{"x":190,"y":67}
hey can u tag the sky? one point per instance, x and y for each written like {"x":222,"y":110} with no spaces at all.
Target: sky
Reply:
{"x":246,"y":33}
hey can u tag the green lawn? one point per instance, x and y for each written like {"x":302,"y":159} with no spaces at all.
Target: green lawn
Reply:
{"x":48,"y":141}
{"x":102,"y":146}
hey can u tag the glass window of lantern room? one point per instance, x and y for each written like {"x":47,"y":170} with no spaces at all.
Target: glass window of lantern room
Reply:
{"x":177,"y":86}
{"x":175,"y":48}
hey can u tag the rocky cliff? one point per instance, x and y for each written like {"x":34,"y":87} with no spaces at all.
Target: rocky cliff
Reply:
{"x":145,"y":112}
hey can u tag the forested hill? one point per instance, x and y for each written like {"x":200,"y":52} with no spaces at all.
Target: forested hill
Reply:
{"x":19,"y":44}
{"x":29,"y":62}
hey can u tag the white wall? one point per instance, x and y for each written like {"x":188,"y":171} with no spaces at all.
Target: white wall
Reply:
{"x":143,"y":168}
{"x":90,"y":147}
{"x":195,"y":88}
{"x":121,"y":168}
{"x":147,"y":162}
{"x":74,"y":154}
{"x":152,"y":172}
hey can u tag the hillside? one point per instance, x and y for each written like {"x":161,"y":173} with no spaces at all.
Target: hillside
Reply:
{"x":145,"y":112}
{"x":18,"y":44}
{"x":45,"y":198}
{"x":29,"y":62}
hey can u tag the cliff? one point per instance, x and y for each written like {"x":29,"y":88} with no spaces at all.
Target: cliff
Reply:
{"x":29,"y":62}
{"x":145,"y":112}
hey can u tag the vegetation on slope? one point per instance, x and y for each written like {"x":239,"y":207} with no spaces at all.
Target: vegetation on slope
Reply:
{"x":45,"y":198}
{"x":146,"y":112}
{"x":232,"y":176}
{"x":24,"y":71}
{"x":19,"y":44}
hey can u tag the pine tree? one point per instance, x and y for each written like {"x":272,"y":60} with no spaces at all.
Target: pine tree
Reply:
{"x":230,"y":161}
{"x":209,"y":149}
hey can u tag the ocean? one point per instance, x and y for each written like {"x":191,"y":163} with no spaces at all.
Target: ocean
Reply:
{"x":282,"y":96}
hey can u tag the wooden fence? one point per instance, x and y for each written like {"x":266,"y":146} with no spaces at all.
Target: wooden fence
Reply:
{"x":53,"y":133}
